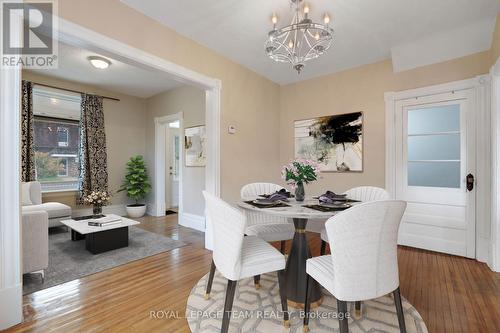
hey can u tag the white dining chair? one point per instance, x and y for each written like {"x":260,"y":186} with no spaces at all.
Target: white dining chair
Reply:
{"x":237,"y":256}
{"x":363,"y":194}
{"x":267,"y":227}
{"x":363,"y":264}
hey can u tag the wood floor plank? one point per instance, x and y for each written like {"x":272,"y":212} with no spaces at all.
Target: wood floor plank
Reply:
{"x":452,"y":294}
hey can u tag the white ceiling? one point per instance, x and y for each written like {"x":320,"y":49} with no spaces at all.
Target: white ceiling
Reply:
{"x":119,"y":77}
{"x":365,"y":30}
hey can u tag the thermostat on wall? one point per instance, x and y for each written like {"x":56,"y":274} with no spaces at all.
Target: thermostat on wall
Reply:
{"x":231,"y":129}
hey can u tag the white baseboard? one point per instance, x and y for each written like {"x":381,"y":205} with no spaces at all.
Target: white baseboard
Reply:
{"x":112,"y":209}
{"x":192,"y":221}
{"x":11,"y":306}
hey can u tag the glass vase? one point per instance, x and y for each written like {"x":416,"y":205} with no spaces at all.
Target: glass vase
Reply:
{"x":300,"y":192}
{"x":97,"y":209}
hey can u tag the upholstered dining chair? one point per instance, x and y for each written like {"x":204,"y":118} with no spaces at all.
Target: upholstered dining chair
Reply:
{"x":237,"y":256}
{"x":363,"y":194}
{"x":267,"y":227}
{"x":363,"y":264}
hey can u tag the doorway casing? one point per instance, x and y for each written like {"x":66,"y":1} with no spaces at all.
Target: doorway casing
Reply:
{"x":10,"y":82}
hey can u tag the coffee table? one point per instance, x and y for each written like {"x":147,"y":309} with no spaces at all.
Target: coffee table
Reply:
{"x":101,"y":239}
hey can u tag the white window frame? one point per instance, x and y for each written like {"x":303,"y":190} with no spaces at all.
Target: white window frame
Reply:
{"x":63,"y":143}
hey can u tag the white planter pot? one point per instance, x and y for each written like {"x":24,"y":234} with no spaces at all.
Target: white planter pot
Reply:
{"x":136,"y":211}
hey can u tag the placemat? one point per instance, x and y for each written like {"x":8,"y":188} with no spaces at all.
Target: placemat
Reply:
{"x":325,"y":209}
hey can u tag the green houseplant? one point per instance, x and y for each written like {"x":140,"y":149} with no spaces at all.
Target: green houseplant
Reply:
{"x":137,"y":185}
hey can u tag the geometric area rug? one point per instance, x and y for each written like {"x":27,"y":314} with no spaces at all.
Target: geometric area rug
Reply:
{"x":69,"y":260}
{"x":260,"y":311}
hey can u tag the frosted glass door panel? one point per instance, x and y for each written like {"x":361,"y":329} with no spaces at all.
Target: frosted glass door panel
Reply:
{"x":434,"y":147}
{"x":434,"y":174}
{"x":434,"y":119}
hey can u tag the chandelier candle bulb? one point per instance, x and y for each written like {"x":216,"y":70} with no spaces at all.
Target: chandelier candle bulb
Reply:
{"x":326,"y":18}
{"x":274,"y":19}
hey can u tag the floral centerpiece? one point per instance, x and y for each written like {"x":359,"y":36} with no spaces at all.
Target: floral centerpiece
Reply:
{"x":97,"y":199}
{"x":298,"y":172}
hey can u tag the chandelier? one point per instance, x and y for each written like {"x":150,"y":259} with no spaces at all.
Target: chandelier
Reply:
{"x":301,"y":40}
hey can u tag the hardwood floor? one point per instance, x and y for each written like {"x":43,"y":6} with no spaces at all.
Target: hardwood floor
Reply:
{"x":452,"y":294}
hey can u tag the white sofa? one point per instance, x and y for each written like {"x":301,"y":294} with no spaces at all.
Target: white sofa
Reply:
{"x":31,"y":201}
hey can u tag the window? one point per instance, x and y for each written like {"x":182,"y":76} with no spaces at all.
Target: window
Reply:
{"x":56,"y":139}
{"x":62,"y":136}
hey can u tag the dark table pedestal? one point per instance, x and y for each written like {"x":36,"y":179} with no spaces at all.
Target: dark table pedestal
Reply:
{"x":102,"y":241}
{"x":295,"y":273}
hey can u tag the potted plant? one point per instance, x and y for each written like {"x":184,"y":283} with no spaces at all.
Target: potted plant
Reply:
{"x":298,"y":172}
{"x":137,"y":186}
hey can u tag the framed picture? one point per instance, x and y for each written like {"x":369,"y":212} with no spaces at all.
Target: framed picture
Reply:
{"x":194,"y":146}
{"x":334,"y":142}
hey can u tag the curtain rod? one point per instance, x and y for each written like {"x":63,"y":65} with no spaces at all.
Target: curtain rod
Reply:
{"x":70,"y":90}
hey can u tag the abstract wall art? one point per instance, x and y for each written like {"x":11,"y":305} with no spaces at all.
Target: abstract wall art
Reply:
{"x":194,"y":145}
{"x":334,"y":142}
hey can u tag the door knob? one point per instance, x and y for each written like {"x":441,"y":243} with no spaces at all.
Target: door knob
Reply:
{"x":470,"y":182}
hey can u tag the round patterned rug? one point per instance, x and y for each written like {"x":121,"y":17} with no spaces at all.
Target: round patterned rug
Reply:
{"x":260,"y":311}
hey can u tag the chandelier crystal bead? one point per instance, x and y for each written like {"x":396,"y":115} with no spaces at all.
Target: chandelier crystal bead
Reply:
{"x":301,"y":40}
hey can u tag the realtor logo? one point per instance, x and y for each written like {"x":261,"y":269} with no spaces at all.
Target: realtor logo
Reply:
{"x":28,"y":34}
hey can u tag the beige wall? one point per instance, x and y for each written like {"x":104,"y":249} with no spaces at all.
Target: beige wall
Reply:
{"x":191,"y":101}
{"x":125,"y":134}
{"x":249,"y":101}
{"x":362,"y":89}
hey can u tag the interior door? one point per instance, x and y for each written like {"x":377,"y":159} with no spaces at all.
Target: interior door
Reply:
{"x":435,"y":169}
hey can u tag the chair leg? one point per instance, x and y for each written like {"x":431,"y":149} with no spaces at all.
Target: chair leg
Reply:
{"x":228,"y":305}
{"x":357,"y":309}
{"x":323,"y":248}
{"x":307,"y":304}
{"x":342,"y":311}
{"x":399,"y":310}
{"x":283,"y":246}
{"x":284,"y":303}
{"x":256,"y":281}
{"x":210,"y":280}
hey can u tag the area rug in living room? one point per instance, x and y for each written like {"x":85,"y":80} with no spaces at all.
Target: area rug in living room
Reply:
{"x":259,"y":311}
{"x":69,"y":260}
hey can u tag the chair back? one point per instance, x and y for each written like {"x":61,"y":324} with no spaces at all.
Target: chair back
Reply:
{"x":228,"y":225}
{"x":252,"y":191}
{"x":363,"y":243}
{"x":368,"y":193}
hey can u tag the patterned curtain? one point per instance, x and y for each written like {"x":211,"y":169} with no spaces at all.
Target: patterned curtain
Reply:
{"x":27,"y":132}
{"x":92,"y":152}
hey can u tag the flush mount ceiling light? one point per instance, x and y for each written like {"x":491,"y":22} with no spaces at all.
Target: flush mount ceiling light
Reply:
{"x":99,"y":62}
{"x":301,"y":40}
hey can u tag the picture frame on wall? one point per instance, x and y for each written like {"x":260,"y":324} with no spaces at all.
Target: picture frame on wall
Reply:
{"x":335,"y":142}
{"x":195,"y":146}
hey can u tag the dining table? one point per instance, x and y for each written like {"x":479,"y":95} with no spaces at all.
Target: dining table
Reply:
{"x":297,"y":213}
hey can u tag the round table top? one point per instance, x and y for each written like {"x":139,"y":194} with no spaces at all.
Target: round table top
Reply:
{"x":296,"y":209}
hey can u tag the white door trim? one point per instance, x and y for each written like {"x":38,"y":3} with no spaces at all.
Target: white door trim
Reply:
{"x":480,"y":87}
{"x":161,"y":125}
{"x":76,"y":35}
{"x":10,"y":231}
{"x":494,"y":260}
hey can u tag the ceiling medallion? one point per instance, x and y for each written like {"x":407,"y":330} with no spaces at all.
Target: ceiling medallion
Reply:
{"x":301,"y":40}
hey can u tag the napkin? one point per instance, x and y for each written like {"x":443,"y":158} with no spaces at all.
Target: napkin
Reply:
{"x":330,"y":197}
